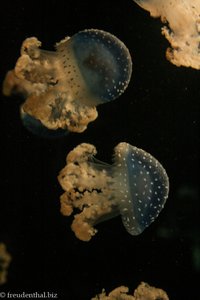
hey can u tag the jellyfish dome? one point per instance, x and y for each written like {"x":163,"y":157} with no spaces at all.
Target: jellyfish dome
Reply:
{"x":136,"y":187}
{"x":63,"y":87}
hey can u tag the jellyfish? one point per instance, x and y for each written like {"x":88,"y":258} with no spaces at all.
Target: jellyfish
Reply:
{"x":135,"y":186}
{"x":62,"y":88}
{"x":5,"y":259}
{"x":182,"y":29}
{"x":142,"y":292}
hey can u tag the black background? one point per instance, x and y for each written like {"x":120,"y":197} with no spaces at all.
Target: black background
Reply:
{"x":158,"y":112}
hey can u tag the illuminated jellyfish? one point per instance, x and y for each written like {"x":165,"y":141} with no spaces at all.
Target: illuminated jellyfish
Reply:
{"x":136,"y":187}
{"x":183,"y":32}
{"x":63,"y":87}
{"x":142,"y":292}
{"x":5,"y":259}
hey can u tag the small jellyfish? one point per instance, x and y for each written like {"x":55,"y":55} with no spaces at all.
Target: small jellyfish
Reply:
{"x":143,"y":292}
{"x":182,"y":30}
{"x":136,"y":187}
{"x":63,"y":87}
{"x":5,"y":259}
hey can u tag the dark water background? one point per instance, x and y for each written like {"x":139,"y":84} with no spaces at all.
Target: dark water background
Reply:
{"x":159,"y":112}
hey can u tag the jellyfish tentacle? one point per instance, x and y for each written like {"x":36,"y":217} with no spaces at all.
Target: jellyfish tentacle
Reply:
{"x":182,"y":28}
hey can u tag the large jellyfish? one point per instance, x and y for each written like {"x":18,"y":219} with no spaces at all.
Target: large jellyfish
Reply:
{"x":136,"y":187}
{"x":182,"y":30}
{"x":63,"y":87}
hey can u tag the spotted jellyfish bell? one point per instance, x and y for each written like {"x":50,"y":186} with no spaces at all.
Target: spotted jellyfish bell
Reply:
{"x":100,"y":61}
{"x":63,"y":87}
{"x":136,"y":187}
{"x":143,"y":187}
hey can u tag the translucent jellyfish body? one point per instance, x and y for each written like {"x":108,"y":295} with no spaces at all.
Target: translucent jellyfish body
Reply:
{"x":136,"y":187}
{"x":63,"y":87}
{"x":182,"y":30}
